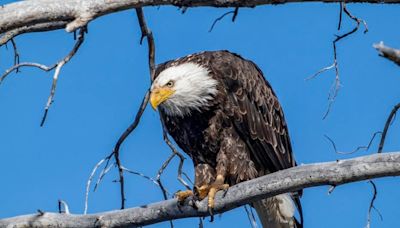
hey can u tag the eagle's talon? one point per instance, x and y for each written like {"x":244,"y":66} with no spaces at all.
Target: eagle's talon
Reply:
{"x":218,"y":185}
{"x":202,"y":191}
{"x":211,"y":211}
{"x":183,"y":195}
{"x":214,"y":188}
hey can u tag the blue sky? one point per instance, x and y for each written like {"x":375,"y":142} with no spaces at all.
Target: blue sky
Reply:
{"x":101,"y":88}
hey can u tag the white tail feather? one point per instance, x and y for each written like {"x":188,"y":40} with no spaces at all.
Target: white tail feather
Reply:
{"x":276,"y":212}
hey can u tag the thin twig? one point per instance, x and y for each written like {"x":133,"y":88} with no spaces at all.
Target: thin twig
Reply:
{"x":356,"y":19}
{"x":365,"y":148}
{"x":201,"y":225}
{"x":331,"y":189}
{"x":132,"y":127}
{"x":56,"y":66}
{"x":340,"y":15}
{"x":320,"y":71}
{"x":16,"y":53}
{"x":251,"y":216}
{"x":176,"y":152}
{"x":89,"y":181}
{"x":61,"y":204}
{"x":187,"y":178}
{"x":140,"y":174}
{"x":234,"y":12}
{"x":387,"y":125}
{"x":380,"y":148}
{"x":60,"y":64}
{"x":116,"y":150}
{"x":25,"y":64}
{"x":103,"y":173}
{"x":146,"y":32}
{"x":336,"y":85}
{"x":160,"y":172}
{"x":105,"y":170}
{"x":372,"y":206}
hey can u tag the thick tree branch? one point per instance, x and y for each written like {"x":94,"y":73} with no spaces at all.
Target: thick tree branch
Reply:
{"x":78,"y":13}
{"x":41,"y":27}
{"x":289,"y":180}
{"x":388,"y":52}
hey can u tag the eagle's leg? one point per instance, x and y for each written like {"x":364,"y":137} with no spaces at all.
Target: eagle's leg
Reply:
{"x":214,"y":188}
{"x":204,"y":176}
{"x":218,"y":182}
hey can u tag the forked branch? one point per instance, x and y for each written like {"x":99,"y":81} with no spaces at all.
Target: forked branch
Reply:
{"x":58,"y":66}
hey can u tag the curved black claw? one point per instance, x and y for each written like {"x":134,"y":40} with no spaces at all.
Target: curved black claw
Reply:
{"x":211,"y":211}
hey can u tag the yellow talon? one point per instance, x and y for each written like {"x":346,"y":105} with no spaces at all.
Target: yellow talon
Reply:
{"x":210,"y":190}
{"x":182,"y":195}
{"x":202,"y":191}
{"x":213,"y":190}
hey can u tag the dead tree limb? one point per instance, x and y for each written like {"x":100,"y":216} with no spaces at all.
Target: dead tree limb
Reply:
{"x":336,"y":85}
{"x":388,"y":52}
{"x":329,"y":173}
{"x":41,"y":27}
{"x":25,"y":16}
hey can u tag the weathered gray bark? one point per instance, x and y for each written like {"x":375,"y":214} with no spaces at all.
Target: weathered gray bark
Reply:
{"x":72,"y":14}
{"x":328,"y":173}
{"x":388,"y":52}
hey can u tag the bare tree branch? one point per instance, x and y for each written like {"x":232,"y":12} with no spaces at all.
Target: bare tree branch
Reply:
{"x":117,"y":146}
{"x":336,"y":85}
{"x":234,"y":12}
{"x":88,"y":183}
{"x":116,"y":151}
{"x":146,"y":32}
{"x":41,"y":27}
{"x":251,"y":216}
{"x":26,"y":64}
{"x":59,"y":65}
{"x":359,"y":148}
{"x":388,"y":52}
{"x":371,"y":204}
{"x":329,"y":173}
{"x":61,"y":204}
{"x":78,"y":13}
{"x":16,"y":53}
{"x":387,"y":125}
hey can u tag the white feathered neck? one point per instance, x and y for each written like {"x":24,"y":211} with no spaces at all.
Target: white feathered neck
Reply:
{"x":194,"y":88}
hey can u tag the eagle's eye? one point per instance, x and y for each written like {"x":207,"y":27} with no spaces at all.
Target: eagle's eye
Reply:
{"x":170,"y":84}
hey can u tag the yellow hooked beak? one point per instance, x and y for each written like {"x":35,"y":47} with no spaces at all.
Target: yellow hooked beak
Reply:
{"x":159,"y":95}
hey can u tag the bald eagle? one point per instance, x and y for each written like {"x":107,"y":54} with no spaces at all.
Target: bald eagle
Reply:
{"x":222,"y":112}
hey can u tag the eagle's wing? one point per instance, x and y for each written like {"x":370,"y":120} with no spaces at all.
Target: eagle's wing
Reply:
{"x":256,"y":114}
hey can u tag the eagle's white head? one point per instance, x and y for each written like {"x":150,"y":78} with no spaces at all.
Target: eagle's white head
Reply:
{"x":180,"y":89}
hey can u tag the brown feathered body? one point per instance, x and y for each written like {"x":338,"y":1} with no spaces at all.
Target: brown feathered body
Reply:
{"x":242,"y":133}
